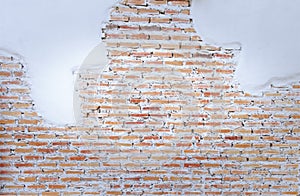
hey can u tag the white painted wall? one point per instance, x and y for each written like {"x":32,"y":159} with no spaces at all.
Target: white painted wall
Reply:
{"x":268,"y":31}
{"x":54,"y":36}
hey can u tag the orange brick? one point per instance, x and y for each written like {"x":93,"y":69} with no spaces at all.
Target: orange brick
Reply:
{"x":7,"y":179}
{"x":127,"y":45}
{"x":25,"y":121}
{"x":3,"y":122}
{"x":14,"y":186}
{"x":157,"y":2}
{"x":139,"y":19}
{"x":5,"y":74}
{"x":39,"y":186}
{"x":183,"y":20}
{"x":35,"y":172}
{"x":261,"y":116}
{"x":151,"y":178}
{"x":10,"y":113}
{"x":162,"y":54}
{"x":176,"y":63}
{"x":22,"y":105}
{"x":296,"y":116}
{"x":45,"y":136}
{"x":180,"y":37}
{"x":242,"y":145}
{"x":78,"y":193}
{"x":19,"y":73}
{"x":73,"y":179}
{"x":9,"y":172}
{"x":55,"y":171}
{"x":129,"y":28}
{"x":19,"y":90}
{"x":160,"y":20}
{"x":184,"y":3}
{"x":140,"y":36}
{"x":150,"y":45}
{"x":159,"y":37}
{"x":5,"y":136}
{"x":48,"y":179}
{"x":24,"y":136}
{"x":114,"y":192}
{"x":119,"y":18}
{"x":125,"y":10}
{"x":115,"y":36}
{"x":24,"y":165}
{"x":27,"y":179}
{"x":50,"y":194}
{"x":134,"y":2}
{"x":60,"y":143}
{"x":57,"y":186}
{"x":33,"y":158}
{"x":11,"y":66}
{"x":77,"y":158}
{"x":148,"y":11}
{"x":38,"y":143}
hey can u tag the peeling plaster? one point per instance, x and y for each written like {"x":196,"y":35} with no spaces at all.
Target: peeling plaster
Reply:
{"x":50,"y":42}
{"x":266,"y":31}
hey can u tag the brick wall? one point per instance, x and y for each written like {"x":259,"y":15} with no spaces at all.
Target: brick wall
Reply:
{"x":163,"y":117}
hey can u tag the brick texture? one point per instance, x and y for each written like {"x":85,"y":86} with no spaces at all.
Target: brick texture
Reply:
{"x":164,"y":117}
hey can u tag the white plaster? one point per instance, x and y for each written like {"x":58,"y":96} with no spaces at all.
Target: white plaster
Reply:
{"x":53,"y":36}
{"x":267,"y":30}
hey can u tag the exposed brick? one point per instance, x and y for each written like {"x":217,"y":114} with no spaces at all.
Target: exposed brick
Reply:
{"x":5,"y":74}
{"x":163,"y":118}
{"x":160,"y":20}
{"x":57,"y":186}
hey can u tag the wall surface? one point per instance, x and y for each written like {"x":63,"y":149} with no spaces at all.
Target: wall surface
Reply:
{"x":164,"y":116}
{"x":58,"y":35}
{"x":266,"y":31}
{"x":54,"y":37}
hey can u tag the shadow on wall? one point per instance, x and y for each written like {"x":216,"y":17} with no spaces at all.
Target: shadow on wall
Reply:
{"x":93,"y":64}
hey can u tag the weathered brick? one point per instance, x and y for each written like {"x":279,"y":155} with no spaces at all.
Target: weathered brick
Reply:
{"x":160,"y":20}
{"x":162,"y":112}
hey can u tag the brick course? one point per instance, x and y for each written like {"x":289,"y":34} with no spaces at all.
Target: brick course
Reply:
{"x":163,"y":117}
